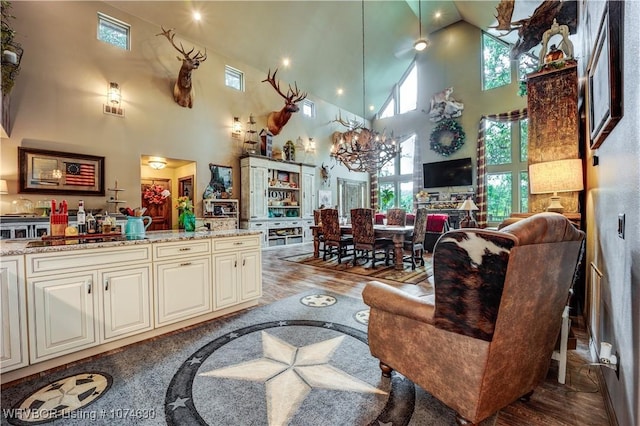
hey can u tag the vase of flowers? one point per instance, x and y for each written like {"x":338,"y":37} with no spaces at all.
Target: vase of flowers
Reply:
{"x":186,"y":219}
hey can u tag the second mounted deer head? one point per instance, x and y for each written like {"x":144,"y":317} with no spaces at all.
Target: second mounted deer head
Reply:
{"x":183,"y":89}
{"x":276,"y":120}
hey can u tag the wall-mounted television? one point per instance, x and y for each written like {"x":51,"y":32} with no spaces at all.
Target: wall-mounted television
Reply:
{"x":448,"y":173}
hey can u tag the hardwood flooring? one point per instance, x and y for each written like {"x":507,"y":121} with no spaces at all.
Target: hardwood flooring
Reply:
{"x":579,"y":402}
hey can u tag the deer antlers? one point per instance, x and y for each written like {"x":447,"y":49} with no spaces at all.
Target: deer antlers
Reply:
{"x":277,"y":119}
{"x":183,"y":92}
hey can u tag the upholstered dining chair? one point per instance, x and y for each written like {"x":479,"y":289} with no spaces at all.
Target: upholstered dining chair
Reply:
{"x":396,"y":217}
{"x":416,"y":245}
{"x":317,"y":221}
{"x":333,"y":236}
{"x":437,"y":224}
{"x":486,"y":336}
{"x":364,"y":238}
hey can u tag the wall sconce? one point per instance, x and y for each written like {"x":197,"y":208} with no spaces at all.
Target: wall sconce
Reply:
{"x":157,"y":164}
{"x":4,"y":189}
{"x":114,"y":99}
{"x":311,"y":147}
{"x":556,"y":176}
{"x":236,"y":128}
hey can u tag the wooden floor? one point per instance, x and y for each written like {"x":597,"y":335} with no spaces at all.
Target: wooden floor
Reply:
{"x":578,"y":402}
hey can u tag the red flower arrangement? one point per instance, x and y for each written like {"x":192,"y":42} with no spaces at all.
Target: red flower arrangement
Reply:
{"x":155,"y":194}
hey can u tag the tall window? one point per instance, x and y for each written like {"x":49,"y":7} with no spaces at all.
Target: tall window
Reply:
{"x":496,"y":64}
{"x":507,"y":175}
{"x":408,"y":90}
{"x":395,"y":178}
{"x":114,"y":32}
{"x":404,"y":96}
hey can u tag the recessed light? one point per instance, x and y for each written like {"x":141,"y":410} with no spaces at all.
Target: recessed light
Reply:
{"x":340,"y":91}
{"x":286,"y":62}
{"x":371,"y":107}
{"x":197,"y":16}
{"x":437,"y":15}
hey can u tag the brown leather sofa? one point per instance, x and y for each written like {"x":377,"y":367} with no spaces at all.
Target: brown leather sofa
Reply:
{"x":486,"y":336}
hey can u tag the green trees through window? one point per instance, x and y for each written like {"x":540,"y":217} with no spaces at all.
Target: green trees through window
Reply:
{"x":496,"y":64}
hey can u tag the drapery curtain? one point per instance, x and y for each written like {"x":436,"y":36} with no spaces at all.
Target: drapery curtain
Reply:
{"x":481,"y":191}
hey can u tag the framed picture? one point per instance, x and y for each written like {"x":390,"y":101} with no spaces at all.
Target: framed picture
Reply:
{"x":52,"y":172}
{"x":221,"y":183}
{"x":324,"y":198}
{"x":604,"y":72}
{"x":283,"y":176}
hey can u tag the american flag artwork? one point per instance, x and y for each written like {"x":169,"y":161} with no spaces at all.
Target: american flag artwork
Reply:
{"x":80,"y":174}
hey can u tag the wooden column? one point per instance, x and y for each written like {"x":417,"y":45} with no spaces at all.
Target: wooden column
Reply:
{"x":553,"y":125}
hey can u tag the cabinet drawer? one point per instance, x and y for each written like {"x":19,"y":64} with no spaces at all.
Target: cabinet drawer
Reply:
{"x":220,"y":244}
{"x":84,"y":259}
{"x":183,"y":248}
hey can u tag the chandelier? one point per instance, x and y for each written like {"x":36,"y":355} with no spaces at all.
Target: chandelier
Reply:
{"x":360,"y":149}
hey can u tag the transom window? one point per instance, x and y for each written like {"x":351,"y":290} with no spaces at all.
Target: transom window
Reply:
{"x":404,"y":96}
{"x":114,"y":32}
{"x":233,"y":78}
{"x":496,"y":63}
{"x":308,"y":108}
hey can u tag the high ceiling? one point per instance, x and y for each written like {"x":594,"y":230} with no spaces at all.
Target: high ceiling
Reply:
{"x":323,"y":39}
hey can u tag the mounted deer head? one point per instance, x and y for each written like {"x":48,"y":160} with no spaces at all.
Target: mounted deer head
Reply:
{"x":531,"y":30}
{"x":183,"y":89}
{"x":276,"y":120}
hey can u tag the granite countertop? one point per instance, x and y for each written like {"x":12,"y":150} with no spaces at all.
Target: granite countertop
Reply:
{"x":20,"y":246}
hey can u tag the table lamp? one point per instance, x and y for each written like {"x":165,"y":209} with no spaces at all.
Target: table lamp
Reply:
{"x":468,"y":221}
{"x":556,"y":176}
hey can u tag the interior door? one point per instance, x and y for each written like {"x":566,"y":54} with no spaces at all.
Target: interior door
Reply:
{"x":160,"y":213}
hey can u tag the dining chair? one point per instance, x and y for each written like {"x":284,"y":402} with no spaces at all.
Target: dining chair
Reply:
{"x":416,"y":245}
{"x":396,"y":217}
{"x":364,"y":238}
{"x":318,"y":222}
{"x":333,"y":236}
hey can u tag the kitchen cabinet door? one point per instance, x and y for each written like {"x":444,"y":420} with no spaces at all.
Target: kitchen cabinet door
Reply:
{"x":13,"y":310}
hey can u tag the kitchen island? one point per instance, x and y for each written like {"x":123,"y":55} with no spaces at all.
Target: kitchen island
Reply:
{"x":65,"y":302}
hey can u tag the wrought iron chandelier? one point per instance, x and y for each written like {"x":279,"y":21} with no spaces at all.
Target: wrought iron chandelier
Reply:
{"x":361,"y":149}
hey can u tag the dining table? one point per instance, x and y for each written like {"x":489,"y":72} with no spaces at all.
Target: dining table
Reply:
{"x":398,"y":234}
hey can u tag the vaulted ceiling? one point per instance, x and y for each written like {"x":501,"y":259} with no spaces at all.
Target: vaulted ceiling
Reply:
{"x":323,"y":39}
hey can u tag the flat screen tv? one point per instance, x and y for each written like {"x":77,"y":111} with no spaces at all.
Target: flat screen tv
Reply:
{"x":448,"y":173}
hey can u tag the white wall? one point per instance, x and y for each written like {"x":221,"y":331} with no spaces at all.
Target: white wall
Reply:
{"x":57,"y":100}
{"x":613,"y":188}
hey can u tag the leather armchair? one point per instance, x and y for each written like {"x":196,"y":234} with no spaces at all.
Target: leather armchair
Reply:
{"x":485,"y":337}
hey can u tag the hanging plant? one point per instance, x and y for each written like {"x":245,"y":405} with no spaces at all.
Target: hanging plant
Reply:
{"x":447,"y":137}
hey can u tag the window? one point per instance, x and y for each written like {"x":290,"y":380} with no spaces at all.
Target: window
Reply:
{"x":233,"y":78}
{"x":389,"y":109}
{"x":496,"y":64}
{"x":404,"y":96}
{"x":395,"y":179}
{"x":408,"y":91}
{"x":527,"y":63}
{"x":114,"y":32}
{"x":507,"y":175}
{"x":308,"y":108}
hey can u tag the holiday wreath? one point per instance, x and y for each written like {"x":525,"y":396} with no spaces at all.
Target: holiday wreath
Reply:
{"x":443,"y":128}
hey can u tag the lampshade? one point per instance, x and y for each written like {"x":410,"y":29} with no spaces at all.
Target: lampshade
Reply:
{"x":113,"y":93}
{"x":157,"y":164}
{"x":468,"y":205}
{"x":4,"y":190}
{"x":554,"y":177}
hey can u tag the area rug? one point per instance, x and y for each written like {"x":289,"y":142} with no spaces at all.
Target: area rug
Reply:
{"x":407,"y":275}
{"x":301,"y":361}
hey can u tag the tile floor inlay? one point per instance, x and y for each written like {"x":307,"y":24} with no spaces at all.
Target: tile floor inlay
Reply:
{"x":285,"y":375}
{"x":318,"y":300}
{"x":61,"y":399}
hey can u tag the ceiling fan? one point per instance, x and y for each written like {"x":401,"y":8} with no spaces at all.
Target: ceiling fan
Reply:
{"x":421,"y":43}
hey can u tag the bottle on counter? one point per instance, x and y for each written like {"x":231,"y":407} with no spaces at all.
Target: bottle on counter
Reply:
{"x":81,"y":218}
{"x":91,"y":224}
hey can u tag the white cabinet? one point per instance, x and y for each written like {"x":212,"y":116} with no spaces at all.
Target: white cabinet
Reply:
{"x":183,"y":284}
{"x":13,"y":310}
{"x":237,"y":270}
{"x":276,"y":197}
{"x":78,"y":299}
{"x":125,"y":301}
{"x":61,"y":314}
{"x":308,"y":191}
